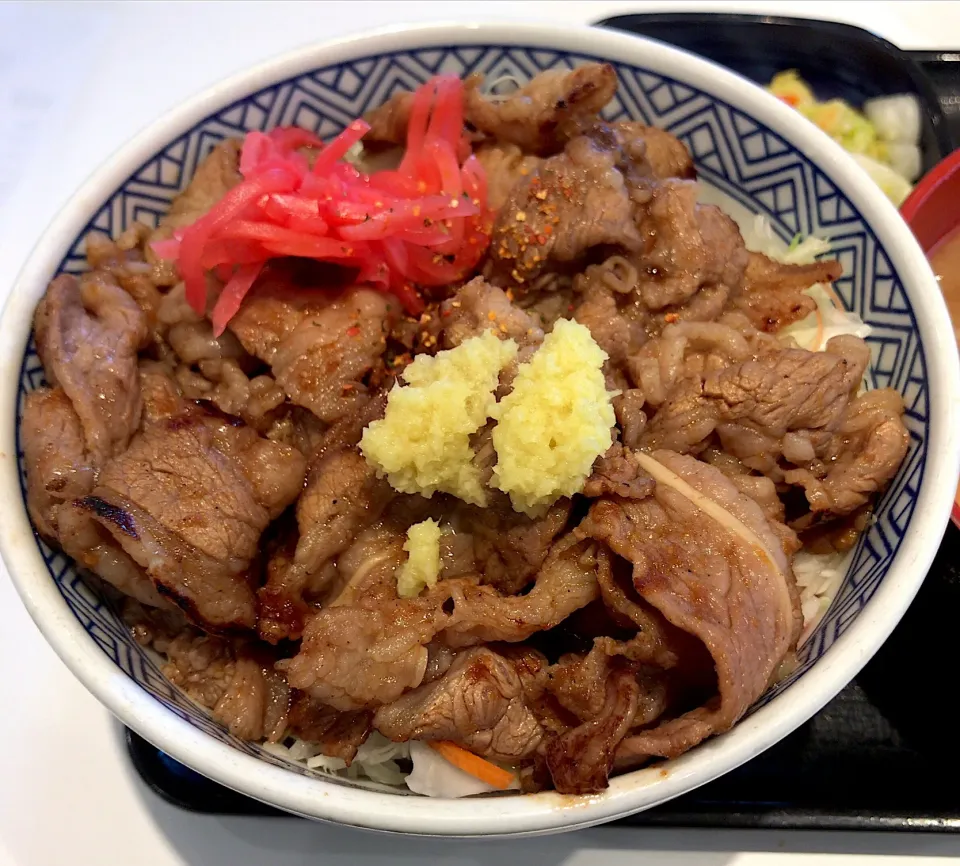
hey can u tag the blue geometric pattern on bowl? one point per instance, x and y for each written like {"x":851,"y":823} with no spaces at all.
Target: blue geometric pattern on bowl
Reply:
{"x":733,"y":152}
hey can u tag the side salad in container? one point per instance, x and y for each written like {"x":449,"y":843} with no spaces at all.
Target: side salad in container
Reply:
{"x":883,"y":137}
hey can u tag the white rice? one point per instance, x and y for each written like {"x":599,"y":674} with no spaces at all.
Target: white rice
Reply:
{"x":819,"y":576}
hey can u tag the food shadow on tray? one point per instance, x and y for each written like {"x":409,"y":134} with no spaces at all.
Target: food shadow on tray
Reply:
{"x":866,"y":761}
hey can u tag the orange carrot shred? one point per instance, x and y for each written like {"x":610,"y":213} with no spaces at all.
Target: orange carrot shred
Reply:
{"x":478,"y":767}
{"x":818,"y":342}
{"x":832,"y":292}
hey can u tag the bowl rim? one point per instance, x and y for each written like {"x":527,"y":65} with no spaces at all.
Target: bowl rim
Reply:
{"x":495,"y":816}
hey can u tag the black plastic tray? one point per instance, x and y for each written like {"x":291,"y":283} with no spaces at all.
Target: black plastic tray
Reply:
{"x":879,"y":756}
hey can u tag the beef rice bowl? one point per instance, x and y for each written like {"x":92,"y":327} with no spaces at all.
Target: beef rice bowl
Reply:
{"x":468,"y":451}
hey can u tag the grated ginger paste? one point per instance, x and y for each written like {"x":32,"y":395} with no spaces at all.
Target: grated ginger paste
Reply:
{"x":422,"y":444}
{"x":555,"y":422}
{"x":422,"y":567}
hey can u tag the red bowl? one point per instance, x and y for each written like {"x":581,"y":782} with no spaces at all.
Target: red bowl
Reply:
{"x":932,"y":211}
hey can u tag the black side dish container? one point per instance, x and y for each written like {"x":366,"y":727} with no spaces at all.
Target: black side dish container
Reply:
{"x":837,"y":60}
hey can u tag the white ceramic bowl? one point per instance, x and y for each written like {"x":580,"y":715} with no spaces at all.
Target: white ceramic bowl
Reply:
{"x":757,"y":151}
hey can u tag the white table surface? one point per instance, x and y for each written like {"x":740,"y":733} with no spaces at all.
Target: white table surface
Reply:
{"x":76,"y":81}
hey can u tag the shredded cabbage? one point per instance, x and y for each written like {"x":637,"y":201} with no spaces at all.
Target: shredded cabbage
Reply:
{"x":813,"y":334}
{"x":761,"y":238}
{"x":829,"y":320}
{"x":376,"y":759}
